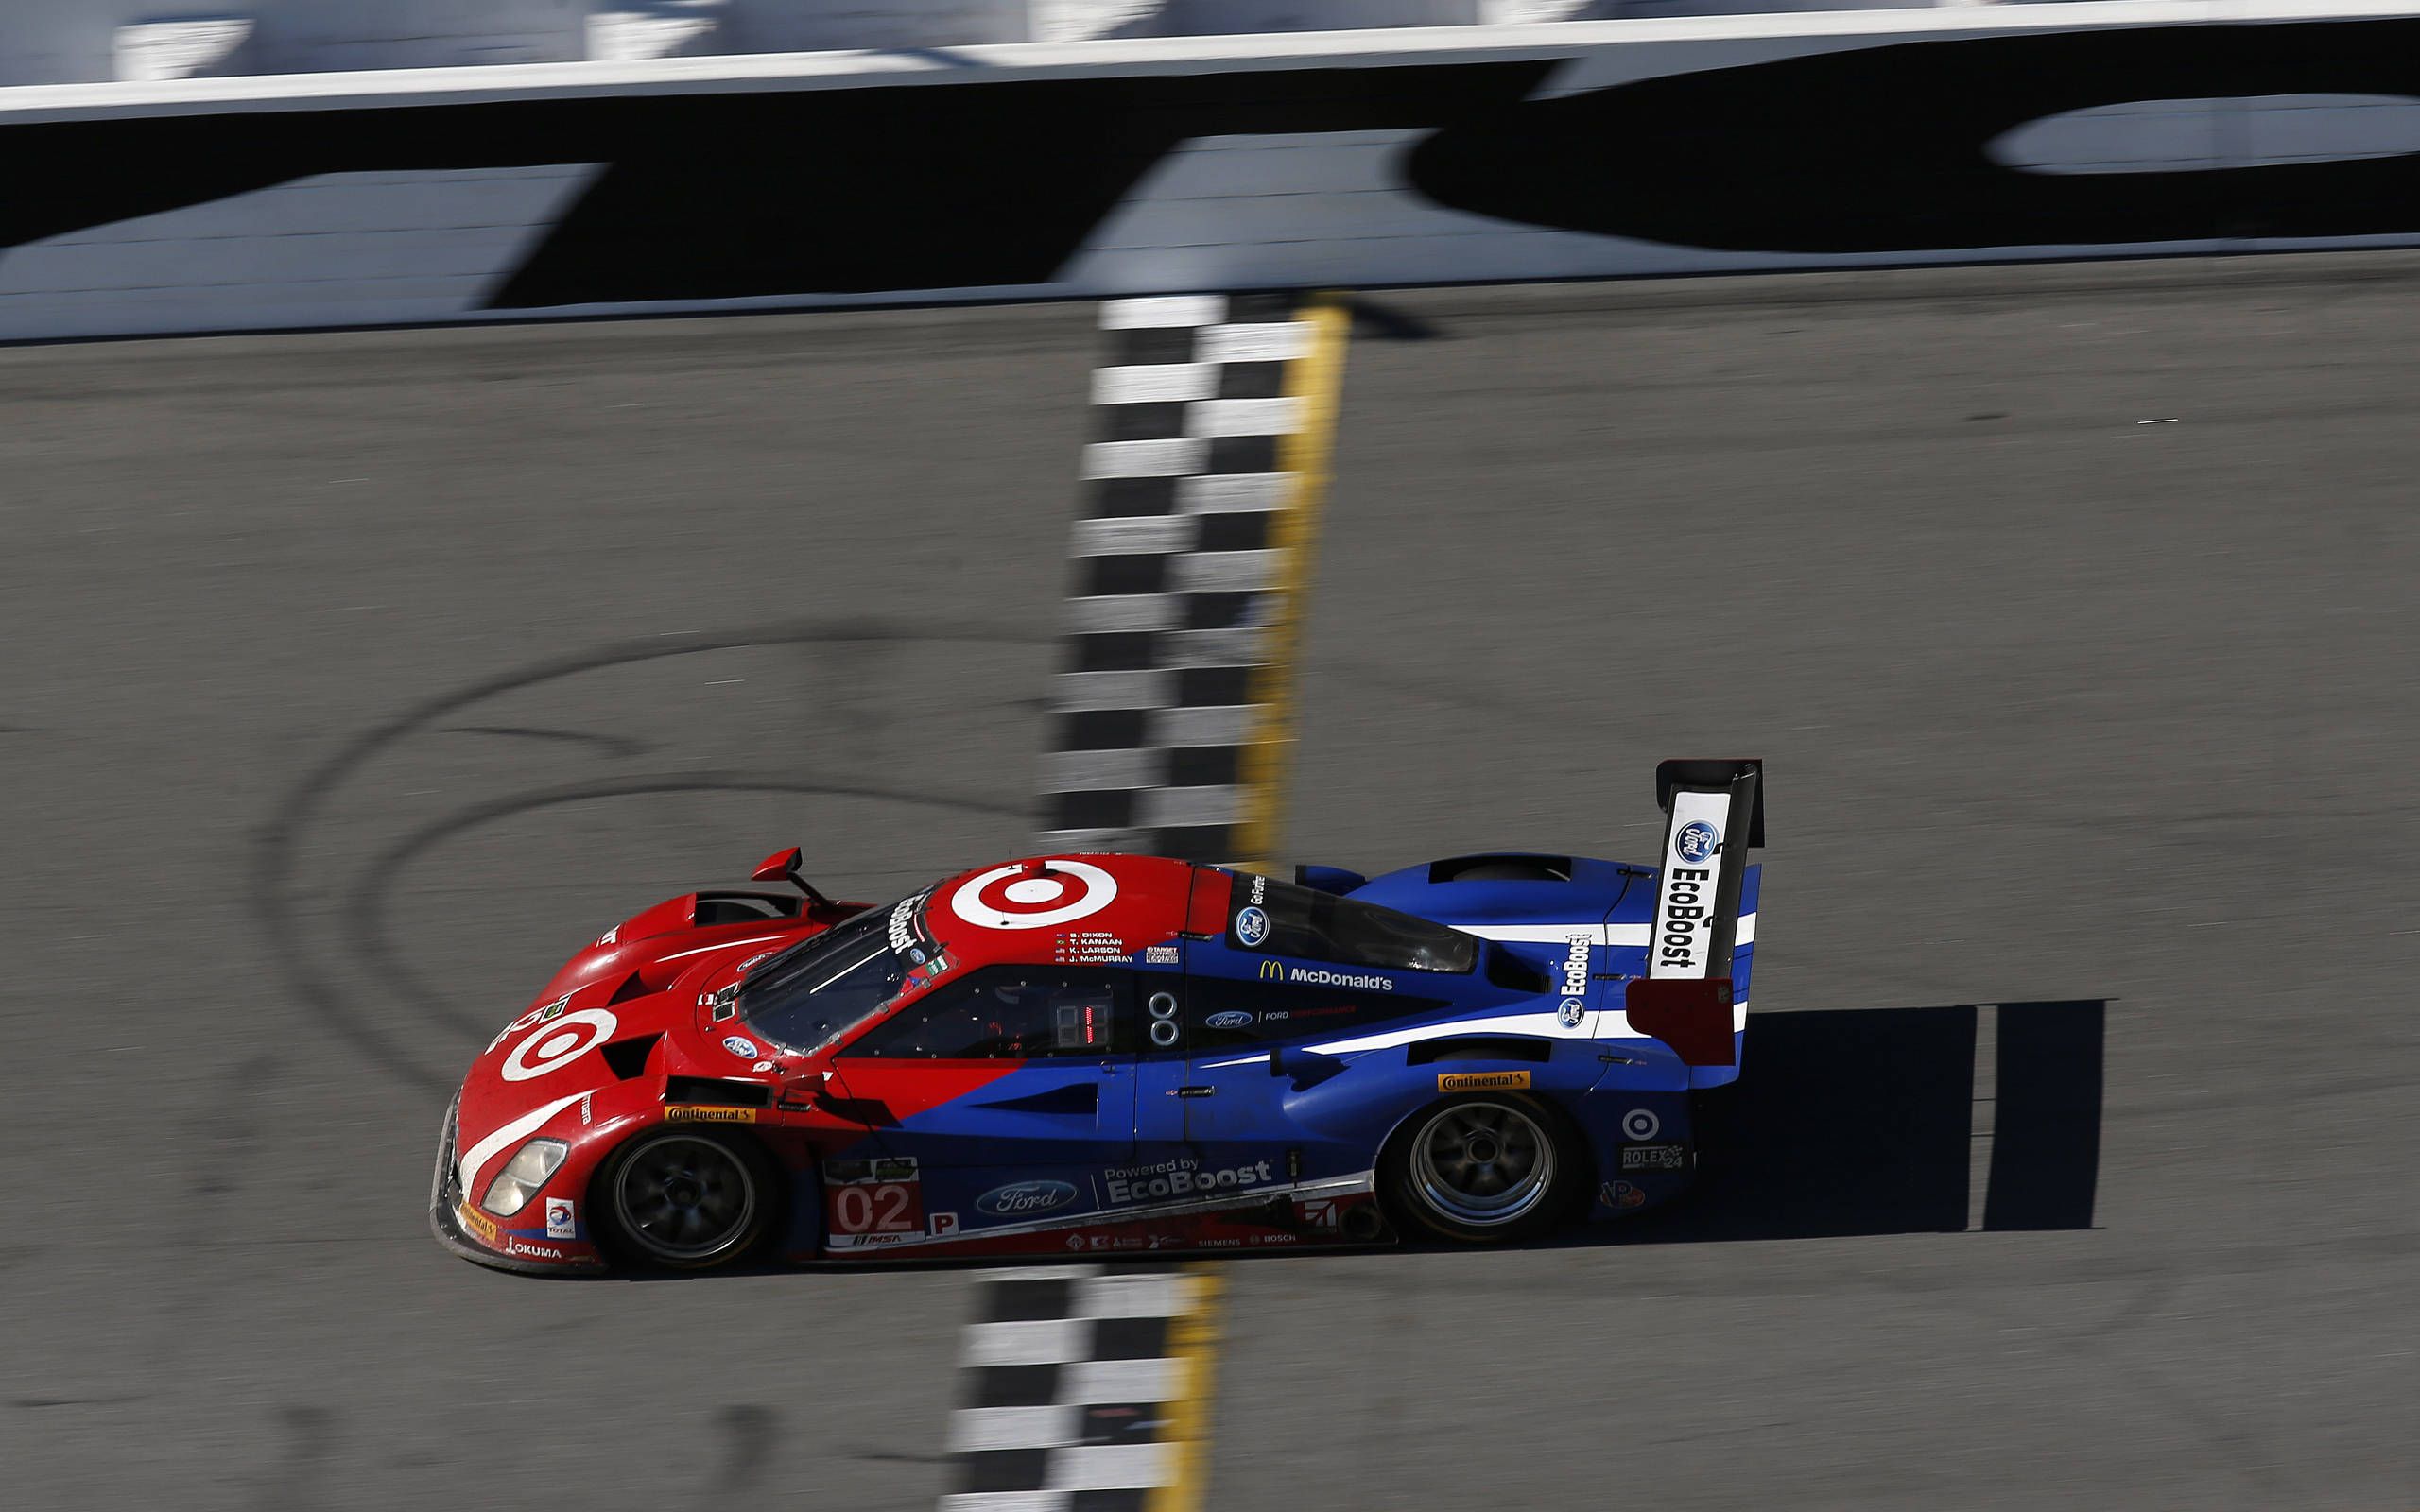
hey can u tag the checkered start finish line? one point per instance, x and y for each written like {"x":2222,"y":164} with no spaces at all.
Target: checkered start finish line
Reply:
{"x":1076,"y":1380}
{"x":1190,"y":552}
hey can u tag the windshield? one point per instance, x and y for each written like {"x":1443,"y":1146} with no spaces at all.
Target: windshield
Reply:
{"x":837,"y":979}
{"x":1323,"y":927}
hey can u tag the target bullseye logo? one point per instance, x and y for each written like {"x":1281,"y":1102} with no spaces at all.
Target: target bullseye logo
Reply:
{"x":559,"y":1043}
{"x":1641,"y":1123}
{"x":1068,"y":891}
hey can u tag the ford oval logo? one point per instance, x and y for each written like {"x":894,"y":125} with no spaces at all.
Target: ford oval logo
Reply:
{"x":1696,"y":842}
{"x":1024,"y":1197}
{"x":1231,"y":1019}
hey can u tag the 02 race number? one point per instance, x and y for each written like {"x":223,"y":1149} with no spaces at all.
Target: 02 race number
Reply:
{"x":882,"y":1208}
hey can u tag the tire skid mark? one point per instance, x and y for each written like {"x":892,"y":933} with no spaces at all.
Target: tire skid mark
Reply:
{"x":297,"y":1482}
{"x":275,"y":887}
{"x":363,"y":919}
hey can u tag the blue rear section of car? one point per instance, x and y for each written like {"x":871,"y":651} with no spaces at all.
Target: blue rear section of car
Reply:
{"x":1269,"y":1091}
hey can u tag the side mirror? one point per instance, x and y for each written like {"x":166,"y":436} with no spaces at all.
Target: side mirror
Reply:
{"x":1306,"y":1068}
{"x":1329,"y":878}
{"x":781,"y":866}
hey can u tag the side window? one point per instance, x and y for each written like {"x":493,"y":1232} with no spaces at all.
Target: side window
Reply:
{"x":1222,"y":1012}
{"x":1283,"y":919}
{"x":1011,"y":1013}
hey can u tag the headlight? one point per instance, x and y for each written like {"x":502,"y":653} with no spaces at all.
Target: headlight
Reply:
{"x":523,"y":1176}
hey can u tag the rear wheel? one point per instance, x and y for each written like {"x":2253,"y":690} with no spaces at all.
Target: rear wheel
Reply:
{"x":686,"y":1199}
{"x":1480,"y":1170}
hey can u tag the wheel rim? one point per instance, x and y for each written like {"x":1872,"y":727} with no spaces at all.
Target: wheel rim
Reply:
{"x":1482,"y":1163}
{"x":684,"y":1198}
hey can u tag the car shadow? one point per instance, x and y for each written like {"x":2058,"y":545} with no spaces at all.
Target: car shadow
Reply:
{"x":1844,"y":1122}
{"x":1868,"y":1122}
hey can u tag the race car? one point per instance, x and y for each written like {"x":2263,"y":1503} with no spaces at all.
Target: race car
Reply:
{"x":1090,"y":1054}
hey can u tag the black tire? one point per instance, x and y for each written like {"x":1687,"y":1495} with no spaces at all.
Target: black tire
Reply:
{"x":685,"y":1198}
{"x":1487,"y":1168}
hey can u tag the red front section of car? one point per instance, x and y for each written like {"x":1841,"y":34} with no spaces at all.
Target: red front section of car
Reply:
{"x":596,"y":1058}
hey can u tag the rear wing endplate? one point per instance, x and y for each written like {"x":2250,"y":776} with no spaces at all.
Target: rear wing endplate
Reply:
{"x":1714,"y":814}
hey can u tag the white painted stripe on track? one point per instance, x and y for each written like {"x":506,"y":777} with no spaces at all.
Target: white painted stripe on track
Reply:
{"x":1244,"y":417}
{"x":1009,"y":1502}
{"x":1166,"y":458}
{"x":1162,"y":310}
{"x":1079,"y":772}
{"x":1113,"y":1467}
{"x":1144,"y":1294}
{"x":1234,"y":493}
{"x":1225,"y":724}
{"x":1983,"y":1112}
{"x":1225,"y":572}
{"x":1139,"y":535}
{"x":976,"y":1430}
{"x":1068,"y":841}
{"x":1280,"y":341}
{"x":1166,"y":807}
{"x":1155,"y":383}
{"x":1125,"y":612}
{"x":1148,"y":688}
{"x":1029,"y":1341}
{"x":1086,"y":1381}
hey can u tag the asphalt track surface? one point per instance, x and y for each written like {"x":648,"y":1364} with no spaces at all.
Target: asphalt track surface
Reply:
{"x":353,"y":679}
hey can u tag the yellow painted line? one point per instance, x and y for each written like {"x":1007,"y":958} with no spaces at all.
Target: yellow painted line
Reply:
{"x":1316,"y":379}
{"x":1193,"y":1343}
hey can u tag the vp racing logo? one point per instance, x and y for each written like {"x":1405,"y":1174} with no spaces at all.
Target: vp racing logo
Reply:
{"x":1696,"y":842}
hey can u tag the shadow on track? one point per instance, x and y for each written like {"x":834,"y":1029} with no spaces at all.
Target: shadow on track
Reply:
{"x":1844,"y":1122}
{"x":1863,"y":1122}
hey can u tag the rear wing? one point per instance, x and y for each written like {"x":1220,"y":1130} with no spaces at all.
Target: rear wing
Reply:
{"x":1714,"y":814}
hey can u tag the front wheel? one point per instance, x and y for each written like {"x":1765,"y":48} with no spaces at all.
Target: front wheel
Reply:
{"x":1481,"y":1170}
{"x":685,"y":1200}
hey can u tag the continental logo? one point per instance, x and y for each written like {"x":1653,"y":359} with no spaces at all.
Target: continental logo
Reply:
{"x":691,"y":1113}
{"x":1273,"y":971}
{"x":477,"y":1223}
{"x":1482,"y":1081}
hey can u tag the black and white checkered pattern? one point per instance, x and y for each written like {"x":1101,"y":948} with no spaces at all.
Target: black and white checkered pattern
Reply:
{"x":1069,"y":1379}
{"x":1178,"y":566}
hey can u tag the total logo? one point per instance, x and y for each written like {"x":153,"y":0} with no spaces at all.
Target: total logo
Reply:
{"x":563,"y":1222}
{"x":1023,"y":1199}
{"x":1035,"y":895}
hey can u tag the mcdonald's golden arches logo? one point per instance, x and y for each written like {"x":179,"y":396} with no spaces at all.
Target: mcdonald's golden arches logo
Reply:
{"x":1273,"y":971}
